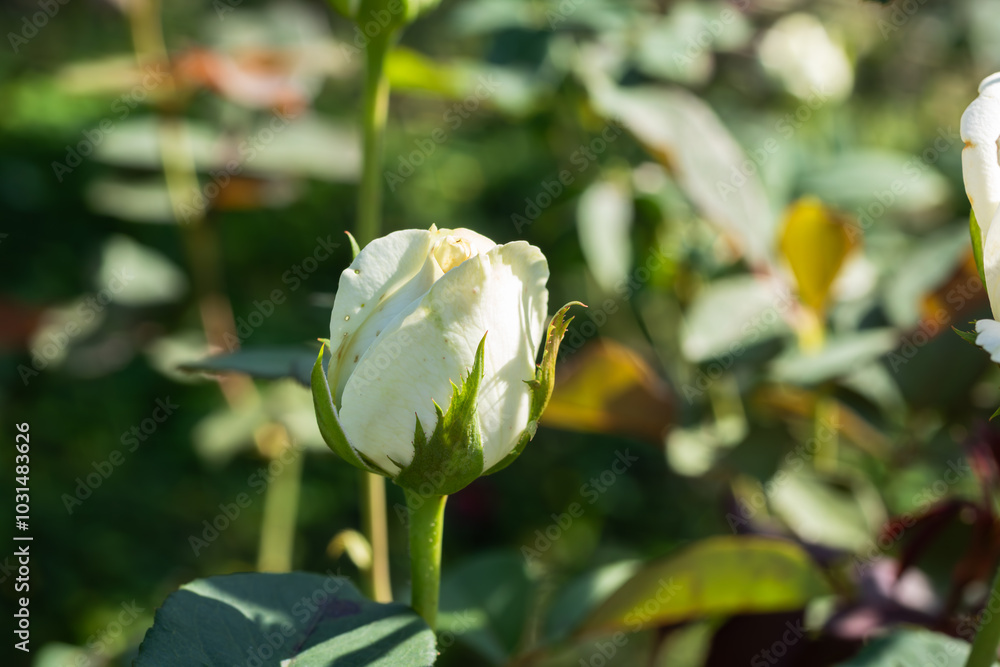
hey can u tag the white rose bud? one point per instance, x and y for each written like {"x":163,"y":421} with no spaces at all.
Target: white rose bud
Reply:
{"x":433,"y":337}
{"x":980,"y":130}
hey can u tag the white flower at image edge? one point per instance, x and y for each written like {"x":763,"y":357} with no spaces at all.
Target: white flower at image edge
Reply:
{"x":407,"y":320}
{"x":980,"y":130}
{"x":988,"y":337}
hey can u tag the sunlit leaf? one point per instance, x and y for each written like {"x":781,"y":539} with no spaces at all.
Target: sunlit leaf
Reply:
{"x":304,"y":146}
{"x":604,"y":224}
{"x":684,"y":133}
{"x":823,"y":512}
{"x":841,"y":356}
{"x":315,"y":620}
{"x":608,"y":388}
{"x":732,"y":314}
{"x":719,"y":576}
{"x":137,"y":275}
{"x":877,"y":184}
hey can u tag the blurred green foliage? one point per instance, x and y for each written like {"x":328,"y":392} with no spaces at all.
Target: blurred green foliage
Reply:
{"x":651,"y":150}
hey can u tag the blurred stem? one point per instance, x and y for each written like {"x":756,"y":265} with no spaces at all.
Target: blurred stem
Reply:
{"x":375,"y":111}
{"x":811,"y":330}
{"x":374,"y":114}
{"x":825,"y":430}
{"x":426,"y":531}
{"x":201,"y":245}
{"x":281,"y":505}
{"x":375,"y":529}
{"x":984,"y":647}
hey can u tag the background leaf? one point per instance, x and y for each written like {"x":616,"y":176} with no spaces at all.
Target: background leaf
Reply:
{"x":313,"y":620}
{"x":719,"y":576}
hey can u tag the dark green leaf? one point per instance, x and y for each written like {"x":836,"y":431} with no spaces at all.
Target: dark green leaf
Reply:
{"x":485,"y":603}
{"x":313,"y":620}
{"x":267,"y":363}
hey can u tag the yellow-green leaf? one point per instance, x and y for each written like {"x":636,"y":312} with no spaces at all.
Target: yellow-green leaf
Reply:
{"x":718,"y":576}
{"x":815,"y":241}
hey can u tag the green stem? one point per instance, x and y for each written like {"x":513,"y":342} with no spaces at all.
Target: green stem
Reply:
{"x":281,"y":506}
{"x":374,"y":114}
{"x":426,"y":531}
{"x":376,"y":530}
{"x":984,"y":647}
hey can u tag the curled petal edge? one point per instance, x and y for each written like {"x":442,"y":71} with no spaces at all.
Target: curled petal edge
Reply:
{"x":329,"y":421}
{"x":543,"y":383}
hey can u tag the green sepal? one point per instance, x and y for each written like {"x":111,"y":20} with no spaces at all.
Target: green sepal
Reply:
{"x":997,"y":412}
{"x":542,"y":385}
{"x":452,"y":457}
{"x":967,"y":336}
{"x":977,"y":244}
{"x":329,"y":420}
{"x":355,"y":248}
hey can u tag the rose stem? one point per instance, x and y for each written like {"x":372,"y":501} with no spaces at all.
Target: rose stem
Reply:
{"x":374,"y":113}
{"x":426,"y":531}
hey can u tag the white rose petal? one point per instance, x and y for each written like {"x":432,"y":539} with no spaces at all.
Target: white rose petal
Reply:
{"x":980,"y":130}
{"x":385,"y":281}
{"x":988,"y":337}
